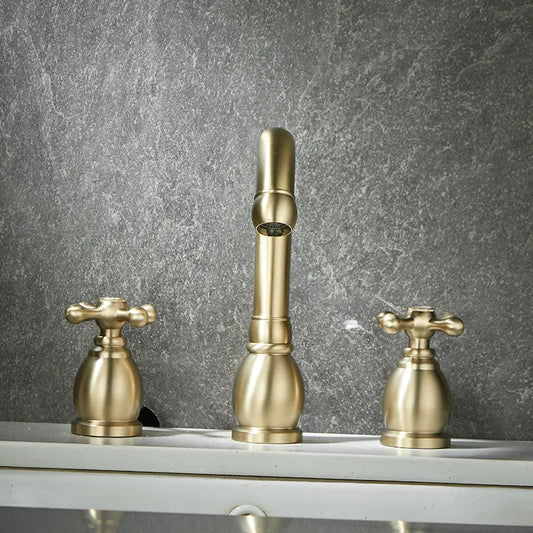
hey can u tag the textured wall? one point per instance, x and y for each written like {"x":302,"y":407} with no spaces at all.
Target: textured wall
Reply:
{"x":128,"y":147}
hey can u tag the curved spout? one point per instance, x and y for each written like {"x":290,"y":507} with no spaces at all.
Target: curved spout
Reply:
{"x":274,"y":209}
{"x":268,"y":391}
{"x":274,"y":217}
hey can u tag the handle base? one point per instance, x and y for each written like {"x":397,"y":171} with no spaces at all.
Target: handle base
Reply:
{"x":99,"y":428}
{"x":403,"y":439}
{"x":266,"y":436}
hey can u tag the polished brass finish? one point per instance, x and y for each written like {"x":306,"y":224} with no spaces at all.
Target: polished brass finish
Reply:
{"x":100,"y":521}
{"x":268,"y":393}
{"x":108,"y":388}
{"x":416,"y":405}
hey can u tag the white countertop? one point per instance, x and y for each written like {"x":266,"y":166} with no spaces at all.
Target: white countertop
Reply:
{"x":320,"y":456}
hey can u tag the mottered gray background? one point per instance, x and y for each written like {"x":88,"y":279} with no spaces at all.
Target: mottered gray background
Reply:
{"x":128,"y":147}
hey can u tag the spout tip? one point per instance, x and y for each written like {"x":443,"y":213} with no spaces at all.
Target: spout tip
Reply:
{"x":274,"y":213}
{"x":275,"y":164}
{"x":276,"y":135}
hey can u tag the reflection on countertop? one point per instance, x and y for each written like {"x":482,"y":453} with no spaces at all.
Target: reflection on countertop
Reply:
{"x":21,"y":520}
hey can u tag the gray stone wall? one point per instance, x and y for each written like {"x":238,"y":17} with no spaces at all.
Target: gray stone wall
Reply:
{"x":128,"y":148}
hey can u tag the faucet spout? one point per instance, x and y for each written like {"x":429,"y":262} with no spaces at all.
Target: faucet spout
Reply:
{"x":268,"y":392}
{"x":274,"y":217}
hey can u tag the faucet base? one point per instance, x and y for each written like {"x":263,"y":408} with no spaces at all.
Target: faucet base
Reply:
{"x":94,"y":428}
{"x":404,"y":439}
{"x":266,"y":436}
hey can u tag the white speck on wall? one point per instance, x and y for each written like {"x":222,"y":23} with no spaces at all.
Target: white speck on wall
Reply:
{"x":352,"y":325}
{"x":525,"y":395}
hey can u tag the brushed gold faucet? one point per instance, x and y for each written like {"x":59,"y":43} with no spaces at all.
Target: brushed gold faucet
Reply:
{"x":416,"y":405}
{"x":108,"y":390}
{"x":268,"y":392}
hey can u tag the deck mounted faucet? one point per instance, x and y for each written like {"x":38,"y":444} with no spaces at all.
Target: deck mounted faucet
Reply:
{"x":268,"y":392}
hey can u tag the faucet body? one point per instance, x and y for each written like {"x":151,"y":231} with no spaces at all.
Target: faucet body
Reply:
{"x":268,"y":393}
{"x":416,"y":405}
{"x":108,"y":391}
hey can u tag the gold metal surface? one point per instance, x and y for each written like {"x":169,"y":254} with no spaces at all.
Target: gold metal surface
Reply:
{"x":108,"y":390}
{"x":250,"y":523}
{"x":268,"y":393}
{"x":416,"y":405}
{"x":100,"y":521}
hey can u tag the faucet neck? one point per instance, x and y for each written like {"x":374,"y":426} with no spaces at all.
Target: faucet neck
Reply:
{"x":274,"y":217}
{"x":272,"y":276}
{"x":270,"y":328}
